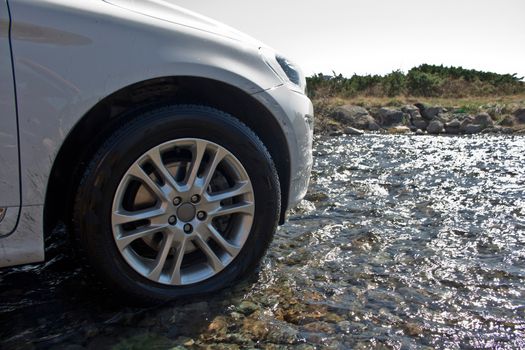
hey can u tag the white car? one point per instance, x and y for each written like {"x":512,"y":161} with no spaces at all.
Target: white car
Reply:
{"x":170,"y":145}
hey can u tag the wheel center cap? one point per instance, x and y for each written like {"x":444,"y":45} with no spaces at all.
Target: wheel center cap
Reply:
{"x":186,"y":212}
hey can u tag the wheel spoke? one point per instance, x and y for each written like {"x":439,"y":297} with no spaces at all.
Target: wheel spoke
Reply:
{"x":241,"y":187}
{"x":198,"y":154}
{"x":124,"y":217}
{"x":137,"y":172}
{"x":227,"y":246}
{"x":156,"y":158}
{"x":214,"y":261}
{"x":238,"y":208}
{"x":161,"y":257}
{"x":208,"y":175}
{"x":175,"y":271}
{"x":129,"y":237}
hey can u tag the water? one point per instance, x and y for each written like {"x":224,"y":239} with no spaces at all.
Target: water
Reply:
{"x":403,"y":242}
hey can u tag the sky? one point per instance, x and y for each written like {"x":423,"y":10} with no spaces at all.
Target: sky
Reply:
{"x":379,"y":36}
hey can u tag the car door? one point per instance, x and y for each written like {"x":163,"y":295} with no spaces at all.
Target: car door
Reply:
{"x":9,"y":163}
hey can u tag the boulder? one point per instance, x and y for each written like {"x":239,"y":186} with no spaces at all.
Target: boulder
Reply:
{"x":473,"y":128}
{"x":353,"y":116}
{"x":453,"y":127}
{"x":373,"y":126}
{"x":483,"y":119}
{"x":492,"y":130}
{"x":508,"y":120}
{"x":420,"y":132}
{"x":520,"y":115}
{"x":353,"y":131}
{"x":390,"y":117}
{"x":429,"y":113}
{"x":466,"y":122}
{"x":411,"y":110}
{"x":435,"y":127}
{"x":418,"y":122}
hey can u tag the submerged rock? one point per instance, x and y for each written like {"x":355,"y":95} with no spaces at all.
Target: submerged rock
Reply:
{"x":247,"y":307}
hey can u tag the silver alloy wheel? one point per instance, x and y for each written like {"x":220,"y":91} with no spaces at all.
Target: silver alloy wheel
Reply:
{"x":183,"y":211}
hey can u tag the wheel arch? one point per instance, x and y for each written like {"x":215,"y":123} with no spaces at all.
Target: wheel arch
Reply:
{"x":93,"y":128}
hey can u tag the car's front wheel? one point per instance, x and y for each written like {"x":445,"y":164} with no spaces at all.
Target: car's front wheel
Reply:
{"x":183,"y":200}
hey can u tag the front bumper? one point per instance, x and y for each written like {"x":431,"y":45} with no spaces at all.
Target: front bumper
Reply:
{"x":294,"y":112}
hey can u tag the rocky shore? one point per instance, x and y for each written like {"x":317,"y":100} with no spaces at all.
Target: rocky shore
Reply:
{"x":421,"y":119}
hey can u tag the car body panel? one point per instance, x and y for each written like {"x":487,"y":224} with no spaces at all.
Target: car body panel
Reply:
{"x":51,"y":40}
{"x":295,"y":113}
{"x":9,"y":169}
{"x":69,"y":55}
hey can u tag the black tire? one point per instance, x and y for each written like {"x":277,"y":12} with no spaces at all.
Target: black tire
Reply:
{"x":94,"y":198}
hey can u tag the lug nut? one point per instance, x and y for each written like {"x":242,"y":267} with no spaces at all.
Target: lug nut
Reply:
{"x":188,"y":228}
{"x":201,"y":215}
{"x":172,"y":220}
{"x":195,"y":198}
{"x":177,"y":201}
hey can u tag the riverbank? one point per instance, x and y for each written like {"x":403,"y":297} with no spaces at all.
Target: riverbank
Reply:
{"x":408,"y":115}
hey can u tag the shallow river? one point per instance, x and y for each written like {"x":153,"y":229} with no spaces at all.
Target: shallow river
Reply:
{"x":403,"y":242}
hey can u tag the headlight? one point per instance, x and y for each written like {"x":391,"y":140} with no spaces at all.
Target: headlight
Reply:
{"x":287,"y":71}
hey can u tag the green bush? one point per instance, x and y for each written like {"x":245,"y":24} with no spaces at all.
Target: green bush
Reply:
{"x":424,"y":80}
{"x":394,"y":83}
{"x":423,"y":84}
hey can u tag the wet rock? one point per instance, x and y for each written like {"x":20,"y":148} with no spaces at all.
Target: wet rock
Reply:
{"x":333,"y":317}
{"x":412,"y":329}
{"x":420,"y":132}
{"x":316,"y":197}
{"x":353,"y":131}
{"x":282,"y":334}
{"x":391,"y":117}
{"x":353,"y":116}
{"x":247,"y":307}
{"x":257,"y":328}
{"x":520,"y":115}
{"x":320,"y":327}
{"x":435,"y":127}
{"x":219,"y":325}
{"x":483,"y":119}
{"x":400,"y":129}
{"x":236,"y":316}
{"x":472,"y":129}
